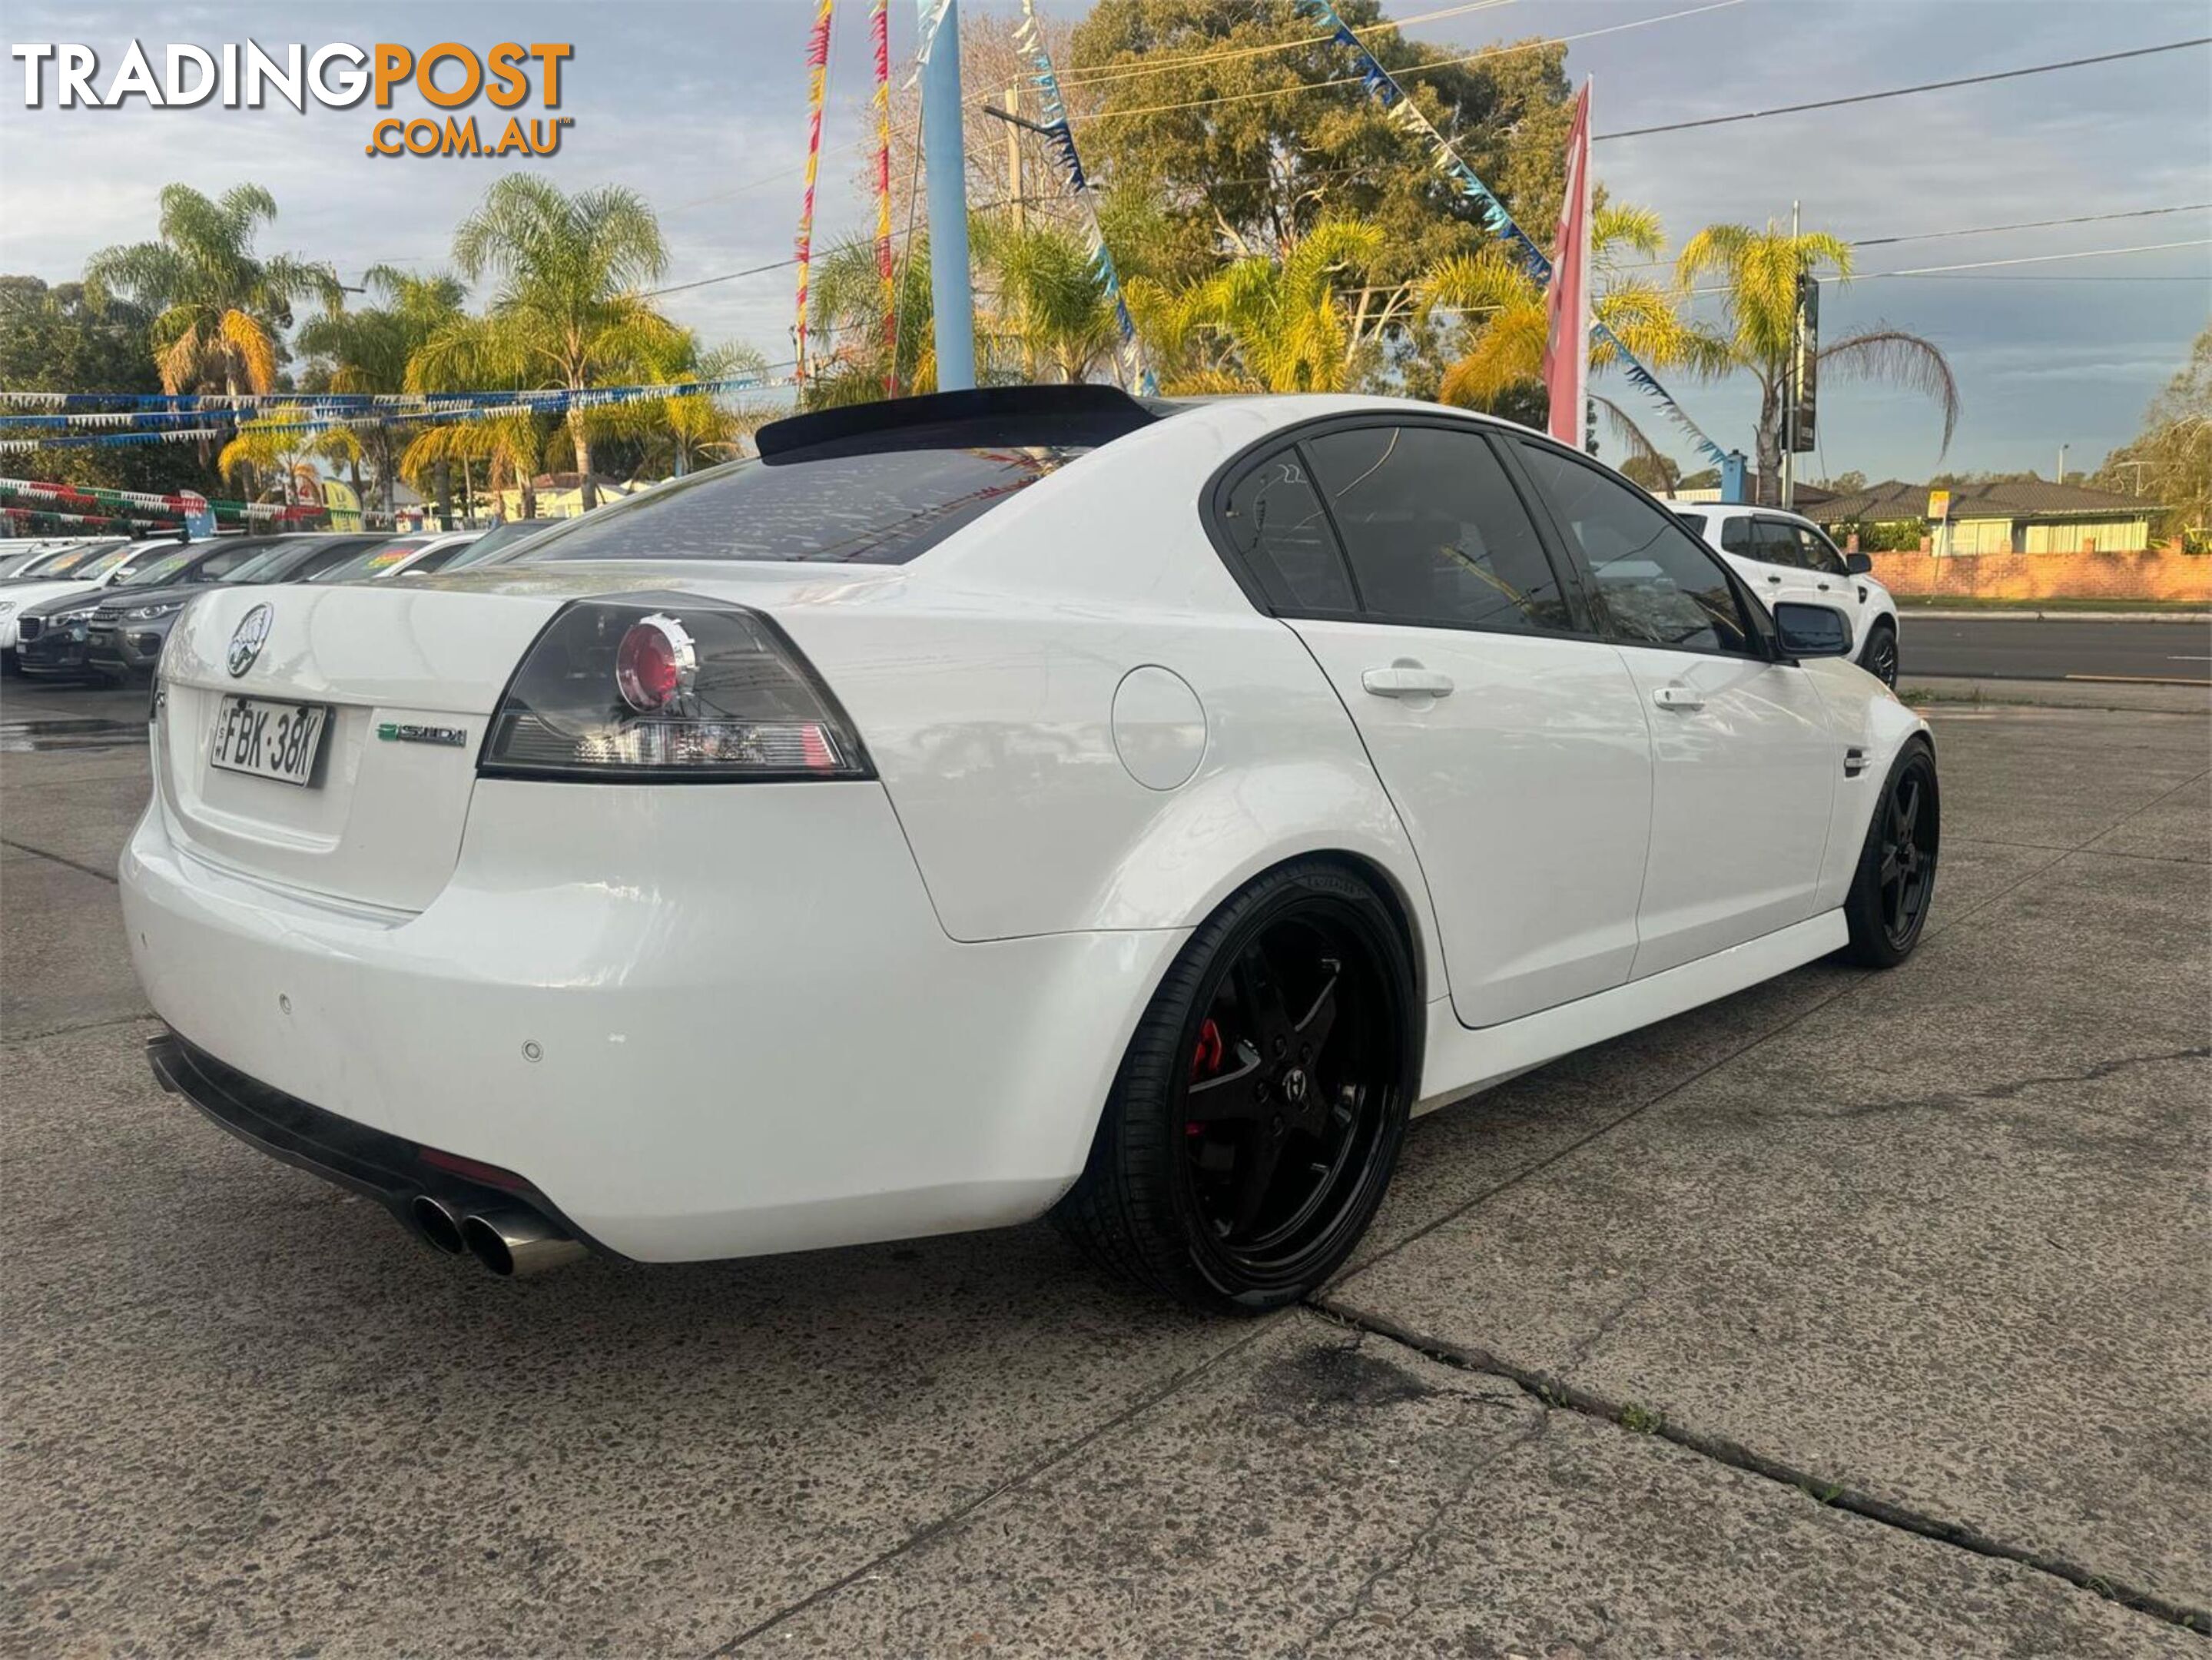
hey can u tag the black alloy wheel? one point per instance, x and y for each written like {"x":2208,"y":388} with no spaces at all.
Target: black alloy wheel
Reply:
{"x":1887,"y":905}
{"x":1287,"y":1074}
{"x":1260,"y":1111}
{"x":1907,"y":867}
{"x":1882,"y":654}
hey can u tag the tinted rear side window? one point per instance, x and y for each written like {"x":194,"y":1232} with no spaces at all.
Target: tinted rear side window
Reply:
{"x":1435,"y":531}
{"x":874,"y":509}
{"x":1275,"y":522}
{"x":1694,"y":521}
{"x":1735,"y":535}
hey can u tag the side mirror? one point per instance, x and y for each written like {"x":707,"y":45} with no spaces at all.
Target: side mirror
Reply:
{"x":1858,"y":564}
{"x":1810,"y":630}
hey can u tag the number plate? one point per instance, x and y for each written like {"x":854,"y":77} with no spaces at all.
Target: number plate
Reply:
{"x":268,"y":738}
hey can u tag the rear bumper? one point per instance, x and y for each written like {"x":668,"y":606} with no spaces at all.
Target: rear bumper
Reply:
{"x":383,"y":1167}
{"x":701,"y":1021}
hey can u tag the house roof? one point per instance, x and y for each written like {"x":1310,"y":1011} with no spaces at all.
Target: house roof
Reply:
{"x":1893,"y":500}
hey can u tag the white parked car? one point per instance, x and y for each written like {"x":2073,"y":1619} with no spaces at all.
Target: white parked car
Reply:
{"x":1001,"y":803}
{"x":1782,"y":555}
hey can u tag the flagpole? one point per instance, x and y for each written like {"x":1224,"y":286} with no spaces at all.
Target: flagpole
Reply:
{"x":944,"y":155}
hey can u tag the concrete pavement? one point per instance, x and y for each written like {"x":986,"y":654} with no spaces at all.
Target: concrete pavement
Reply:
{"x":1896,"y":1281}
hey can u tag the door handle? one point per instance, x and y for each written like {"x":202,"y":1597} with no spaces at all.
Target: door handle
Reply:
{"x":1407,"y":680}
{"x":1679,"y":698}
{"x":1823,"y":587}
{"x":1774,"y":578}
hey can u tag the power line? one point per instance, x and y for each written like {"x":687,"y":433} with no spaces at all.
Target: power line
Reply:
{"x":2041,"y":259}
{"x":1483,"y":56}
{"x":1904,"y":92}
{"x":2029,"y":224}
{"x":1152,"y":66}
{"x":2024,"y":259}
{"x":1978,"y":230}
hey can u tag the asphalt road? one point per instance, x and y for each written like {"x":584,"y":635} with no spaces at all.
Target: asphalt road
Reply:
{"x":2022,"y":649}
{"x":1859,"y":1314}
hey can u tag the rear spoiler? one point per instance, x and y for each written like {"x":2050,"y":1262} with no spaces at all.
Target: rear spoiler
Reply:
{"x":985,"y":417}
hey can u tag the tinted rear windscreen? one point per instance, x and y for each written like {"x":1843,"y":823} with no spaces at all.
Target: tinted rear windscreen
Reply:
{"x":877,"y":509}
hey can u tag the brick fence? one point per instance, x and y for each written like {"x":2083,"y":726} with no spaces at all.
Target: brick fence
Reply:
{"x":2159,"y":573}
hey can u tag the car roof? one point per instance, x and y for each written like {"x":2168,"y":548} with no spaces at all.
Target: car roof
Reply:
{"x":1736,"y":509}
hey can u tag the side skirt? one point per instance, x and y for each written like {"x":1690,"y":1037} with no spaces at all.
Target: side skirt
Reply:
{"x":1460,"y":1060}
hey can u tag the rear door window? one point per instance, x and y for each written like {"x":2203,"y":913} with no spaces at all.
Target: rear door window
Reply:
{"x":879,"y":508}
{"x":1275,"y":521}
{"x":1435,"y":532}
{"x":1735,"y":535}
{"x":1774,"y":543}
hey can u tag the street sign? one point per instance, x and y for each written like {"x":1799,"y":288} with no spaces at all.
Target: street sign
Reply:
{"x":1805,"y":366}
{"x":1939,"y":504}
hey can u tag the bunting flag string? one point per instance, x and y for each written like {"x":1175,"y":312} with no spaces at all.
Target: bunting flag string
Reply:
{"x":321,"y":414}
{"x":818,"y":78}
{"x":1136,"y":374}
{"x":880,"y":35}
{"x":1405,"y":115}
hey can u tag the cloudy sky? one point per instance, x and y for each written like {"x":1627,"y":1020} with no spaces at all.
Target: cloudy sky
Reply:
{"x":699,"y":104}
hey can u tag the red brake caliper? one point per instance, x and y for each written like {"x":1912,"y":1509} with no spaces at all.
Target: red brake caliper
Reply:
{"x":1204,"y":1062}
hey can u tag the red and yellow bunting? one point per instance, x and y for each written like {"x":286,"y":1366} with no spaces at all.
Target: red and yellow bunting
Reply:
{"x":817,"y":79}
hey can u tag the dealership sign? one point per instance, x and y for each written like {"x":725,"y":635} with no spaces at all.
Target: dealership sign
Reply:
{"x":449,"y":75}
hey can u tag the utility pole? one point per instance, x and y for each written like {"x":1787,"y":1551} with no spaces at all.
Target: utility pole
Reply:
{"x":944,"y":154}
{"x":1789,"y":399}
{"x":2063,"y":448}
{"x":1014,"y":155}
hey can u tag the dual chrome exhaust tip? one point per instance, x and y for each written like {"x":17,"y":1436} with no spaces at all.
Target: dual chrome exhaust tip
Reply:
{"x":512,"y":1243}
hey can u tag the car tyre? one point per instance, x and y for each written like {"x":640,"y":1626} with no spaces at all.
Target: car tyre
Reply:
{"x":1258,"y":1113}
{"x":1887,"y":905}
{"x":1881,"y":655}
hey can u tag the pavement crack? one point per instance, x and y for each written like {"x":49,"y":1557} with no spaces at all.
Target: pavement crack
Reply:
{"x":1425,"y":1537}
{"x":106,"y":876}
{"x":2011,"y":1091}
{"x":1556,"y":1392}
{"x":953,"y":1517}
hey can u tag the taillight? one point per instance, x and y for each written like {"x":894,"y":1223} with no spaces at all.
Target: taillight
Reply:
{"x":665,"y":686}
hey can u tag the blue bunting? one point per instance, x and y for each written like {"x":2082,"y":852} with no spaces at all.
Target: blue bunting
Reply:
{"x":1136,"y":374}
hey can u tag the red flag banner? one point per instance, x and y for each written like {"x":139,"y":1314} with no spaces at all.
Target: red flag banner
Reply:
{"x":1567,"y":301}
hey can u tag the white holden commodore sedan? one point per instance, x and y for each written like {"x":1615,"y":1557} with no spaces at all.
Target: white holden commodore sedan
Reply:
{"x":997,"y":803}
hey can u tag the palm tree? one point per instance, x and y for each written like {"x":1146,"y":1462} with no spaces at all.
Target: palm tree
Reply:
{"x":280,"y":447}
{"x":220,"y":309}
{"x":1501,"y":326}
{"x":369,"y":351}
{"x":1051,"y":313}
{"x":568,"y":312}
{"x":850,"y":301}
{"x":1758,"y":273}
{"x":511,"y":444}
{"x":684,"y":432}
{"x":1262,"y":323}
